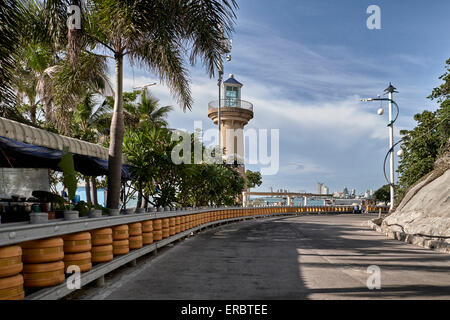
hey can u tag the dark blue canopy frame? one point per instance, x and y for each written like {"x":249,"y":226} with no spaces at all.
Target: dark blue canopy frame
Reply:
{"x":17,"y":154}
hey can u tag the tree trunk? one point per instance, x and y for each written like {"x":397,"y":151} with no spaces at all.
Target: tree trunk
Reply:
{"x":116,"y":136}
{"x":88,"y":190}
{"x":94,"y":191}
{"x":139,"y":199}
{"x":145,"y":204}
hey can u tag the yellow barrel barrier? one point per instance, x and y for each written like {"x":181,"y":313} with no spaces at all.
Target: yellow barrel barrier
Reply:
{"x":165,"y":228}
{"x":38,"y":275}
{"x":147,"y":238}
{"x":135,"y":235}
{"x":42,"y":263}
{"x":182,"y":223}
{"x":82,"y":260}
{"x":43,"y":250}
{"x":121,"y":247}
{"x":10,"y":261}
{"x":177,"y":225}
{"x":157,"y":230}
{"x":195,"y":220}
{"x":101,"y":254}
{"x":11,"y":288}
{"x":172,"y":226}
{"x":101,"y":237}
{"x":136,"y":242}
{"x":147,"y":232}
{"x":120,"y":232}
{"x":135,"y":229}
{"x":147,"y":226}
{"x":77,"y":242}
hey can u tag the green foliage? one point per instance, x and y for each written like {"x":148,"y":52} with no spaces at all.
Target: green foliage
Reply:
{"x":82,"y":208}
{"x":383,"y":194}
{"x":69,"y":174}
{"x":424,"y":143}
{"x":11,"y":13}
{"x":253,"y":179}
{"x":149,"y":149}
{"x":443,"y":91}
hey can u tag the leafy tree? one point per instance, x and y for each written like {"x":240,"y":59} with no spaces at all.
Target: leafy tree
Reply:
{"x":160,"y":182}
{"x":253,"y":179}
{"x":383,"y":194}
{"x":442,"y":92}
{"x":423,"y":144}
{"x":156,"y":35}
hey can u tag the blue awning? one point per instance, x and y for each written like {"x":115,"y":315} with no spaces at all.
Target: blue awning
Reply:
{"x":17,"y":154}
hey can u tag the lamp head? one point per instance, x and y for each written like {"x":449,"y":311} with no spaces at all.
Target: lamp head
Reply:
{"x":400,"y":153}
{"x":228,"y":57}
{"x":380,"y":111}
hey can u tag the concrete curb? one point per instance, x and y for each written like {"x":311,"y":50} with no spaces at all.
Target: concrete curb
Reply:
{"x":435,"y":244}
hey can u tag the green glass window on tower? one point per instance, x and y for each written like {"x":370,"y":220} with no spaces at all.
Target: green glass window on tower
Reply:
{"x":231,"y":96}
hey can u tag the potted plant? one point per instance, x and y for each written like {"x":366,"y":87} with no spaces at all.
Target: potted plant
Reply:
{"x":70,"y":182}
{"x":56,"y":201}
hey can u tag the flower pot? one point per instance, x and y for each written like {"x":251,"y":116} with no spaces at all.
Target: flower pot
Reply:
{"x":94,"y":213}
{"x":38,"y":217}
{"x":51,"y":215}
{"x":71,"y":215}
{"x":114,"y":212}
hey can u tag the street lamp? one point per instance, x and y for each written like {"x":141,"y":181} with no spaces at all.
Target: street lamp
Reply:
{"x":390,"y":91}
{"x":227,"y":45}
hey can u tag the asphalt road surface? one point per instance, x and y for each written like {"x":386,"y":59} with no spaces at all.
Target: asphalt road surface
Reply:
{"x":305,"y":257}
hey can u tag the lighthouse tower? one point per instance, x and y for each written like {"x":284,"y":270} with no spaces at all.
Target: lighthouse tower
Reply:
{"x":235,"y":113}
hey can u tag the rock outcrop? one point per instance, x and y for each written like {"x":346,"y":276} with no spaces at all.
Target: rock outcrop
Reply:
{"x":425,"y":209}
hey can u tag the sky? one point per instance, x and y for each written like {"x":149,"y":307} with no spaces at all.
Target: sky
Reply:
{"x":305,"y":65}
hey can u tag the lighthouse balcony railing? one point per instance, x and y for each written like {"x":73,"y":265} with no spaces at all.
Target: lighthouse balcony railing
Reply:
{"x":230,"y":103}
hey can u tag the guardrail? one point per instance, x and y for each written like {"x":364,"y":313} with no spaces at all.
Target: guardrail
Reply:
{"x":27,"y":262}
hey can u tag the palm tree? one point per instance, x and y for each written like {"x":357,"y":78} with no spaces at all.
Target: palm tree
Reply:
{"x":88,"y":125}
{"x":147,"y":110}
{"x":154,"y":34}
{"x":11,"y":13}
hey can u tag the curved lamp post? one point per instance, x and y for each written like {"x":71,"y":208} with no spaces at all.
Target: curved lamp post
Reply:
{"x":389,"y":90}
{"x":227,"y":45}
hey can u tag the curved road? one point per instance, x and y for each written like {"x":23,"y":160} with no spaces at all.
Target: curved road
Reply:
{"x":305,"y":257}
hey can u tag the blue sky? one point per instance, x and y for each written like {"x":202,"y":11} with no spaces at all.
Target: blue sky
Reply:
{"x":305,"y":65}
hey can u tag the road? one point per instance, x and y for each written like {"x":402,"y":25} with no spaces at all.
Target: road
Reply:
{"x":304,"y":257}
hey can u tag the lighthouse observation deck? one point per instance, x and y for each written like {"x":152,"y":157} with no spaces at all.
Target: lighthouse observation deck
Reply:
{"x":231,"y":110}
{"x":230,"y":103}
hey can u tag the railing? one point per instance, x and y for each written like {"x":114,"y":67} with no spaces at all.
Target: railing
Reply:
{"x":230,"y":103}
{"x":179,"y":224}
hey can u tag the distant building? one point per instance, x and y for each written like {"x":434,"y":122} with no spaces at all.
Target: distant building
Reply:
{"x":319,"y":187}
{"x":322,"y":188}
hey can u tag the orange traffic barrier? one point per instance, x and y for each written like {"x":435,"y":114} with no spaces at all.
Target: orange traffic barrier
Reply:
{"x":101,"y":237}
{"x":120,"y":232}
{"x":82,"y":260}
{"x":42,"y":251}
{"x":77,"y":242}
{"x":102,"y":253}
{"x":43,"y":274}
{"x":121,"y":247}
{"x":10,"y":261}
{"x":11,"y":288}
